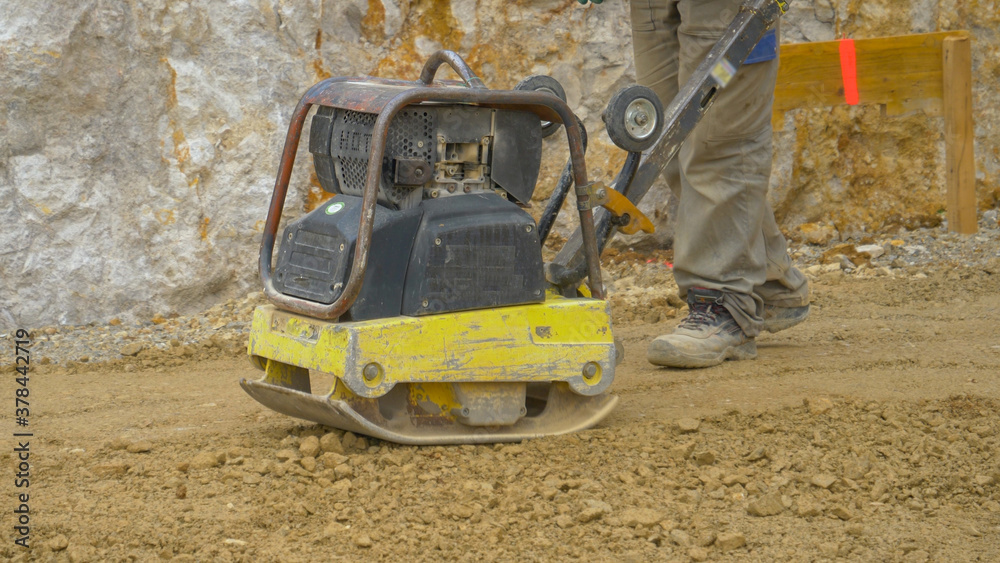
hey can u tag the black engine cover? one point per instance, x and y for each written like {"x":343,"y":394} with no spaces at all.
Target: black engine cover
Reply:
{"x":317,"y":252}
{"x":473,"y":252}
{"x":450,"y":254}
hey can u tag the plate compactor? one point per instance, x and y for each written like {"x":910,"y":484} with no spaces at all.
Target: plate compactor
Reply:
{"x":419,"y":288}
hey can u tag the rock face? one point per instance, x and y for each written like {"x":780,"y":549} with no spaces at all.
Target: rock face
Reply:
{"x":140,"y":139}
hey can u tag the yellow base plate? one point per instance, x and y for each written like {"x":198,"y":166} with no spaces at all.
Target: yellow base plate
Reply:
{"x":559,"y":340}
{"x":491,"y":375}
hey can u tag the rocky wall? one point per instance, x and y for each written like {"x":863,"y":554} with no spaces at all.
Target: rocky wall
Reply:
{"x":139,"y":138}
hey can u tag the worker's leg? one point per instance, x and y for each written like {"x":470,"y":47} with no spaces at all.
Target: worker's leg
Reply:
{"x":786,"y":291}
{"x":654,"y":41}
{"x":655,"y":26}
{"x":726,"y":165}
{"x":785,"y":285}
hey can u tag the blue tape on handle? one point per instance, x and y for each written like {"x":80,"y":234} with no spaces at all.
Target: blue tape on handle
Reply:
{"x":766,"y":49}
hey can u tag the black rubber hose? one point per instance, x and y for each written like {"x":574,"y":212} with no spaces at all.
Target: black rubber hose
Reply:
{"x":558,"y":196}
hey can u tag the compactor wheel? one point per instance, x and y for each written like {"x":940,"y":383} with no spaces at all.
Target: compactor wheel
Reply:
{"x":634,"y":118}
{"x":542,"y":83}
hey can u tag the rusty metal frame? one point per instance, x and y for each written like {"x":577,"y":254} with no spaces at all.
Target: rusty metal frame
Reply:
{"x":545,"y":105}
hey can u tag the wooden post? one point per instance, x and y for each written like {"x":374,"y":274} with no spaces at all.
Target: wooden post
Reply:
{"x":960,"y":176}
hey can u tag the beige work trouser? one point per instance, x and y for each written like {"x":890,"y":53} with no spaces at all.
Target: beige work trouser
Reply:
{"x":725,"y":237}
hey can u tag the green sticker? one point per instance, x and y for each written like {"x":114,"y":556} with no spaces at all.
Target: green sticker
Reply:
{"x":334,"y":207}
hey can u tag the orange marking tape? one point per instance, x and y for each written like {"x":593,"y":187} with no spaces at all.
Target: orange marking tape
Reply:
{"x":849,"y":71}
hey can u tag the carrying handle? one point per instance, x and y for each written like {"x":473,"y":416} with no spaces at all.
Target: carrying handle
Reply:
{"x":456,"y":62}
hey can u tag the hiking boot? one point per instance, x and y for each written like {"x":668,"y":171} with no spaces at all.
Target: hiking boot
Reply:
{"x":779,"y":318}
{"x":707,"y":337}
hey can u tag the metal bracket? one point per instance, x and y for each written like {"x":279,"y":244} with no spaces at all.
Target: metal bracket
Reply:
{"x":589,"y":196}
{"x":628,"y":217}
{"x":412,"y":171}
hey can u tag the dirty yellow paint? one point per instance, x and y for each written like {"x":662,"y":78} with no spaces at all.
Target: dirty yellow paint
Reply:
{"x":550,"y":341}
{"x":292,"y":377}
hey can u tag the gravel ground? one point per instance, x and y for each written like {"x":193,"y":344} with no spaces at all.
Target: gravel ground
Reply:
{"x":641,"y":287}
{"x":829,"y":480}
{"x":869,"y":433}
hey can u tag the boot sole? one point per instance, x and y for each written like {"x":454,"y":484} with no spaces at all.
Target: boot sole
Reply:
{"x":662,"y":354}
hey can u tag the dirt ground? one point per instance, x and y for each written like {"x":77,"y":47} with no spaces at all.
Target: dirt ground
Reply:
{"x":869,"y":433}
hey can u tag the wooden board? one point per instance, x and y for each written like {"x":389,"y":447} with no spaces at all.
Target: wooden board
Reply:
{"x":930,"y":72}
{"x":902,"y":73}
{"x":958,"y":135}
